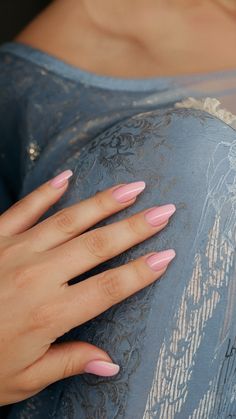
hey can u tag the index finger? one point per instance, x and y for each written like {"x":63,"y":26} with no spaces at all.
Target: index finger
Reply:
{"x":29,"y":209}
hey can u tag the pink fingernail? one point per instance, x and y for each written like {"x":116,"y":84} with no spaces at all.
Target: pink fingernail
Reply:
{"x":127,"y":192}
{"x":159,"y":215}
{"x":161,"y":260}
{"x":61,"y":180}
{"x":102,"y":368}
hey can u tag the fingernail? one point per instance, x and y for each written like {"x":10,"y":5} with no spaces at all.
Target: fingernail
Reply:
{"x":161,"y":260}
{"x":127,"y":192}
{"x":102,"y":368}
{"x":61,"y":180}
{"x":159,"y":215}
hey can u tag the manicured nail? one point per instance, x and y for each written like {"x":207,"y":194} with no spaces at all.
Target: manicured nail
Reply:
{"x":159,"y":215}
{"x":102,"y":368}
{"x":61,"y":180}
{"x":127,"y":192}
{"x":161,"y":260}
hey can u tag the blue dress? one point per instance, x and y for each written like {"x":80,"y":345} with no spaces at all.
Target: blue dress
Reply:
{"x":175,"y":340}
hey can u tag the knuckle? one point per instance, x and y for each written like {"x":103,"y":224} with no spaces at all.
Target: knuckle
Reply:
{"x":137,"y":272}
{"x":96,"y":243}
{"x":70,"y":367}
{"x":64,"y":222}
{"x":10,"y":247}
{"x":42,"y":317}
{"x":37,"y":196}
{"x":109,"y":286}
{"x":22,"y":276}
{"x":135,"y":227}
{"x":31,"y":201}
{"x":101,"y":204}
{"x":18,"y":204}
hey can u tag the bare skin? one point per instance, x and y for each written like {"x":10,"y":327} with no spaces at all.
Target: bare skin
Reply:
{"x":164,"y":37}
{"x":38,"y":261}
{"x":36,"y":303}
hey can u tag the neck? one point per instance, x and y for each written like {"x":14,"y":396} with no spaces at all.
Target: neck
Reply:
{"x":109,"y":38}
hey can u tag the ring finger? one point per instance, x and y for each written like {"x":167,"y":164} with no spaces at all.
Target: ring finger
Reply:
{"x":89,"y":298}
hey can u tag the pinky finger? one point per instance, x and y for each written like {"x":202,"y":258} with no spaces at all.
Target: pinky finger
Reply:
{"x":65,"y":360}
{"x":26,"y":212}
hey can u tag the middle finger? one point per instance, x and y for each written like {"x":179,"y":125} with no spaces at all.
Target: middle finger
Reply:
{"x":94,"y":247}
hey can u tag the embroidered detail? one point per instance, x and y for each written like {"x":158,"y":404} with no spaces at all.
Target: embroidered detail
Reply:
{"x":33,"y":151}
{"x":210,"y":105}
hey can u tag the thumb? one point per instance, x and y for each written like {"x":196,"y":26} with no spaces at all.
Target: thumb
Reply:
{"x":67,"y":359}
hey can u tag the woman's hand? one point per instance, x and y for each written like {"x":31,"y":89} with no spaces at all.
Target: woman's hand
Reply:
{"x":36,"y":304}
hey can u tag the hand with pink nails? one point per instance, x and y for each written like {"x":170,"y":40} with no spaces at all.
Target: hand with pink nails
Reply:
{"x":38,"y":259}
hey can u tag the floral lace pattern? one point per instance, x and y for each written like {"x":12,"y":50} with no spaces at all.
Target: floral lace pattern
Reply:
{"x":212,"y":106}
{"x":153,"y":146}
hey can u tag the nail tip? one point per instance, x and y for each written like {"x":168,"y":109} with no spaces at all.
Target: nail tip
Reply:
{"x":171,"y":209}
{"x":102,"y":368}
{"x":157,"y":216}
{"x":116,"y":369}
{"x":172,"y":254}
{"x":141,"y":185}
{"x":128,"y":192}
{"x":69,"y":173}
{"x":161,"y":260}
{"x":61,"y":180}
